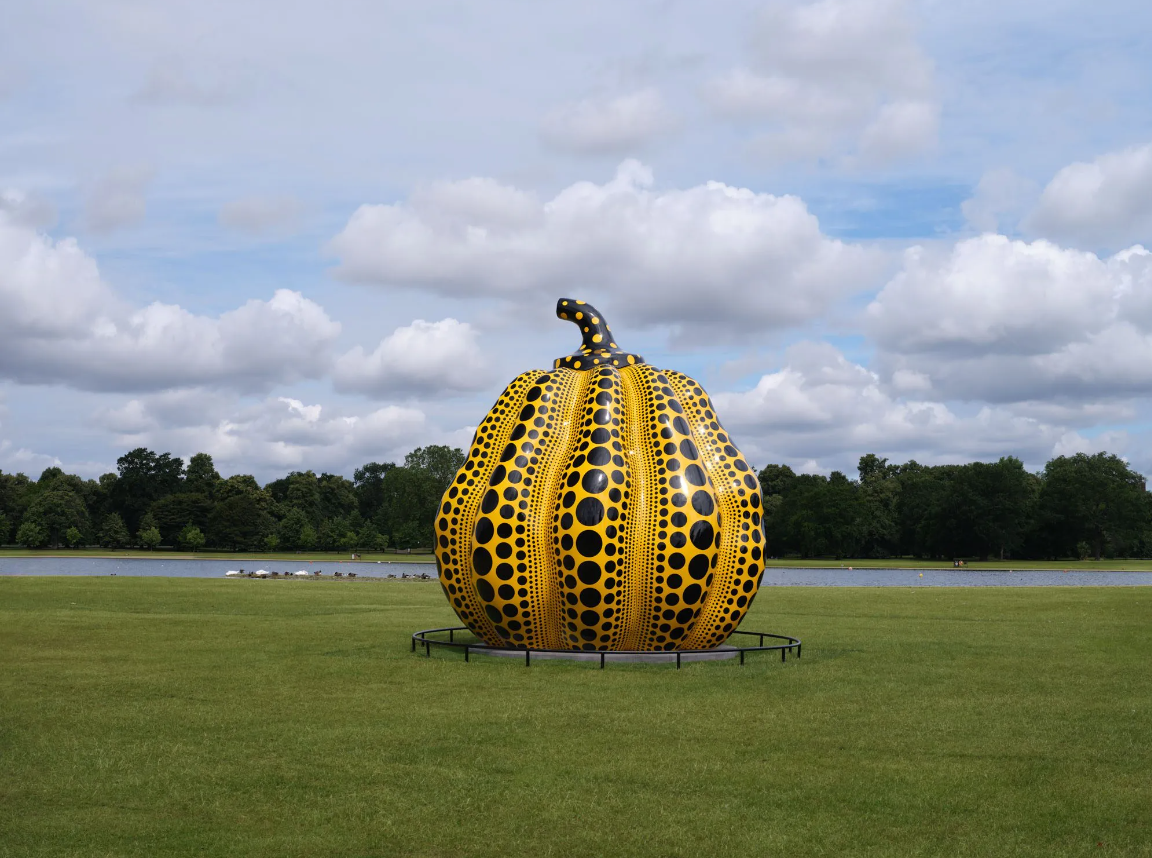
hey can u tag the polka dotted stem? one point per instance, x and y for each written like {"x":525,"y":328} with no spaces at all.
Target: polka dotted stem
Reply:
{"x":597,"y":348}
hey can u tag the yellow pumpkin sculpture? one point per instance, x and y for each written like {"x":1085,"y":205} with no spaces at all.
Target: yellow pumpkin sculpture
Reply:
{"x":601,"y":507}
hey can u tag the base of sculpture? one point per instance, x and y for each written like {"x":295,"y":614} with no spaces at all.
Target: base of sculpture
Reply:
{"x":719,"y":653}
{"x":429,"y":638}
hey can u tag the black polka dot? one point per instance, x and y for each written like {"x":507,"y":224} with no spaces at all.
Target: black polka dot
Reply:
{"x":694,"y":475}
{"x":692,"y":594}
{"x":676,"y":560}
{"x":589,"y":572}
{"x":702,"y":534}
{"x":492,"y":613}
{"x":679,"y":519}
{"x":589,"y":597}
{"x":589,"y":543}
{"x":491,"y":499}
{"x":485,"y":590}
{"x":599,"y":456}
{"x":688,"y":449}
{"x":702,"y":502}
{"x":497,"y":476}
{"x":698,"y":568}
{"x":481,"y":561}
{"x":483,"y":530}
{"x":590,"y":512}
{"x":595,"y":481}
{"x":589,"y":618}
{"x":504,"y":571}
{"x":678,"y":499}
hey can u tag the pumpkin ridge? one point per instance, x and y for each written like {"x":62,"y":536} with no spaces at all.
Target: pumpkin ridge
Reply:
{"x":571,"y":387}
{"x":739,"y":566}
{"x":682,"y":517}
{"x":516,"y":577}
{"x":456,"y":565}
{"x":590,"y":520}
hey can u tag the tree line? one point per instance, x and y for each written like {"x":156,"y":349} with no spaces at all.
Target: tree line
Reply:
{"x":154,"y":499}
{"x":1079,"y":506}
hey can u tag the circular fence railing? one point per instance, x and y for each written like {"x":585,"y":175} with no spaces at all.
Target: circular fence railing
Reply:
{"x":425,"y":639}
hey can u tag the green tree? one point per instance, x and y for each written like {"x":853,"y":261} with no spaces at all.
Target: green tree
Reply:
{"x":307,"y":539}
{"x":57,"y":510}
{"x":74,"y":537}
{"x":240,"y":521}
{"x":291,"y":527}
{"x":143,"y":478}
{"x":5,"y":529}
{"x":201,"y":477}
{"x":1095,"y":499}
{"x":191,"y":537}
{"x":170,"y":514}
{"x":879,"y":524}
{"x":369,"y":484}
{"x":149,"y":537}
{"x":271,"y":542}
{"x":114,"y":534}
{"x":31,"y":535}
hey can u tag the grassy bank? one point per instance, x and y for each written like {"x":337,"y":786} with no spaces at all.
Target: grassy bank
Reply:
{"x":206,"y":717}
{"x":239,"y":556}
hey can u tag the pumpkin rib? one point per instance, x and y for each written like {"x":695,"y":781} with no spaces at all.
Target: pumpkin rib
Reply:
{"x":638,"y":545}
{"x":457,"y":564}
{"x":682,"y":520}
{"x":590,"y":518}
{"x":739,"y":567}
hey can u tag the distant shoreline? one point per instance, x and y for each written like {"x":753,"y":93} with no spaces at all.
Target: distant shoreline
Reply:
{"x":14,"y":554}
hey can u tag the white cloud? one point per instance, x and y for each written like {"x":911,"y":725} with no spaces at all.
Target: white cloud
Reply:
{"x":117,"y":199}
{"x":830,"y":77}
{"x":429,"y":358}
{"x":271,"y":436}
{"x":262,"y":216}
{"x":708,"y":255}
{"x":63,"y":324}
{"x":999,"y":201}
{"x":1103,"y":204}
{"x":27,"y":210}
{"x":821,"y":411}
{"x":1001,"y":320}
{"x":613,"y":126}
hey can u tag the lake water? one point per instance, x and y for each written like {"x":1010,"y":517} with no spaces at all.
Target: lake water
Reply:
{"x":146,"y":566}
{"x":774,"y":577}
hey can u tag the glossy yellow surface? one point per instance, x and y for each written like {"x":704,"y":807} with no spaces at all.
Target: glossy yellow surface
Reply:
{"x":601,"y":509}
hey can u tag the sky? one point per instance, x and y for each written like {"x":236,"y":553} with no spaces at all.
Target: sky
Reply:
{"x":312,"y":235}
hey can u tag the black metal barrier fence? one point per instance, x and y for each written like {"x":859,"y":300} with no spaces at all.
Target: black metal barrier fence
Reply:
{"x":422,"y":638}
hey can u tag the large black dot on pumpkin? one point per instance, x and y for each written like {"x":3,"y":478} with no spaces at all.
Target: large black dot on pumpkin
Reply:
{"x":702,"y":502}
{"x":589,"y":572}
{"x":483,"y":530}
{"x":485,"y":590}
{"x":601,"y":416}
{"x":676,"y":560}
{"x":589,"y":618}
{"x":481,"y":561}
{"x":493,"y":614}
{"x":698,"y":568}
{"x":595,"y":481}
{"x":590,"y":512}
{"x":600,"y":435}
{"x":684,"y":616}
{"x":589,"y":543}
{"x":589,"y":597}
{"x":497,"y":476}
{"x":702,"y":534}
{"x":694,"y":475}
{"x":688,"y":449}
{"x":599,"y":456}
{"x":491,"y":499}
{"x":692,"y":594}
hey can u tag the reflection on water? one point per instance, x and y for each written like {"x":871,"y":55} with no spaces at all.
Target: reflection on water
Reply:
{"x":774,"y":577}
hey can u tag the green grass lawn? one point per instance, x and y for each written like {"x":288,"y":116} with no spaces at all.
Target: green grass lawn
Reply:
{"x":155,"y":716}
